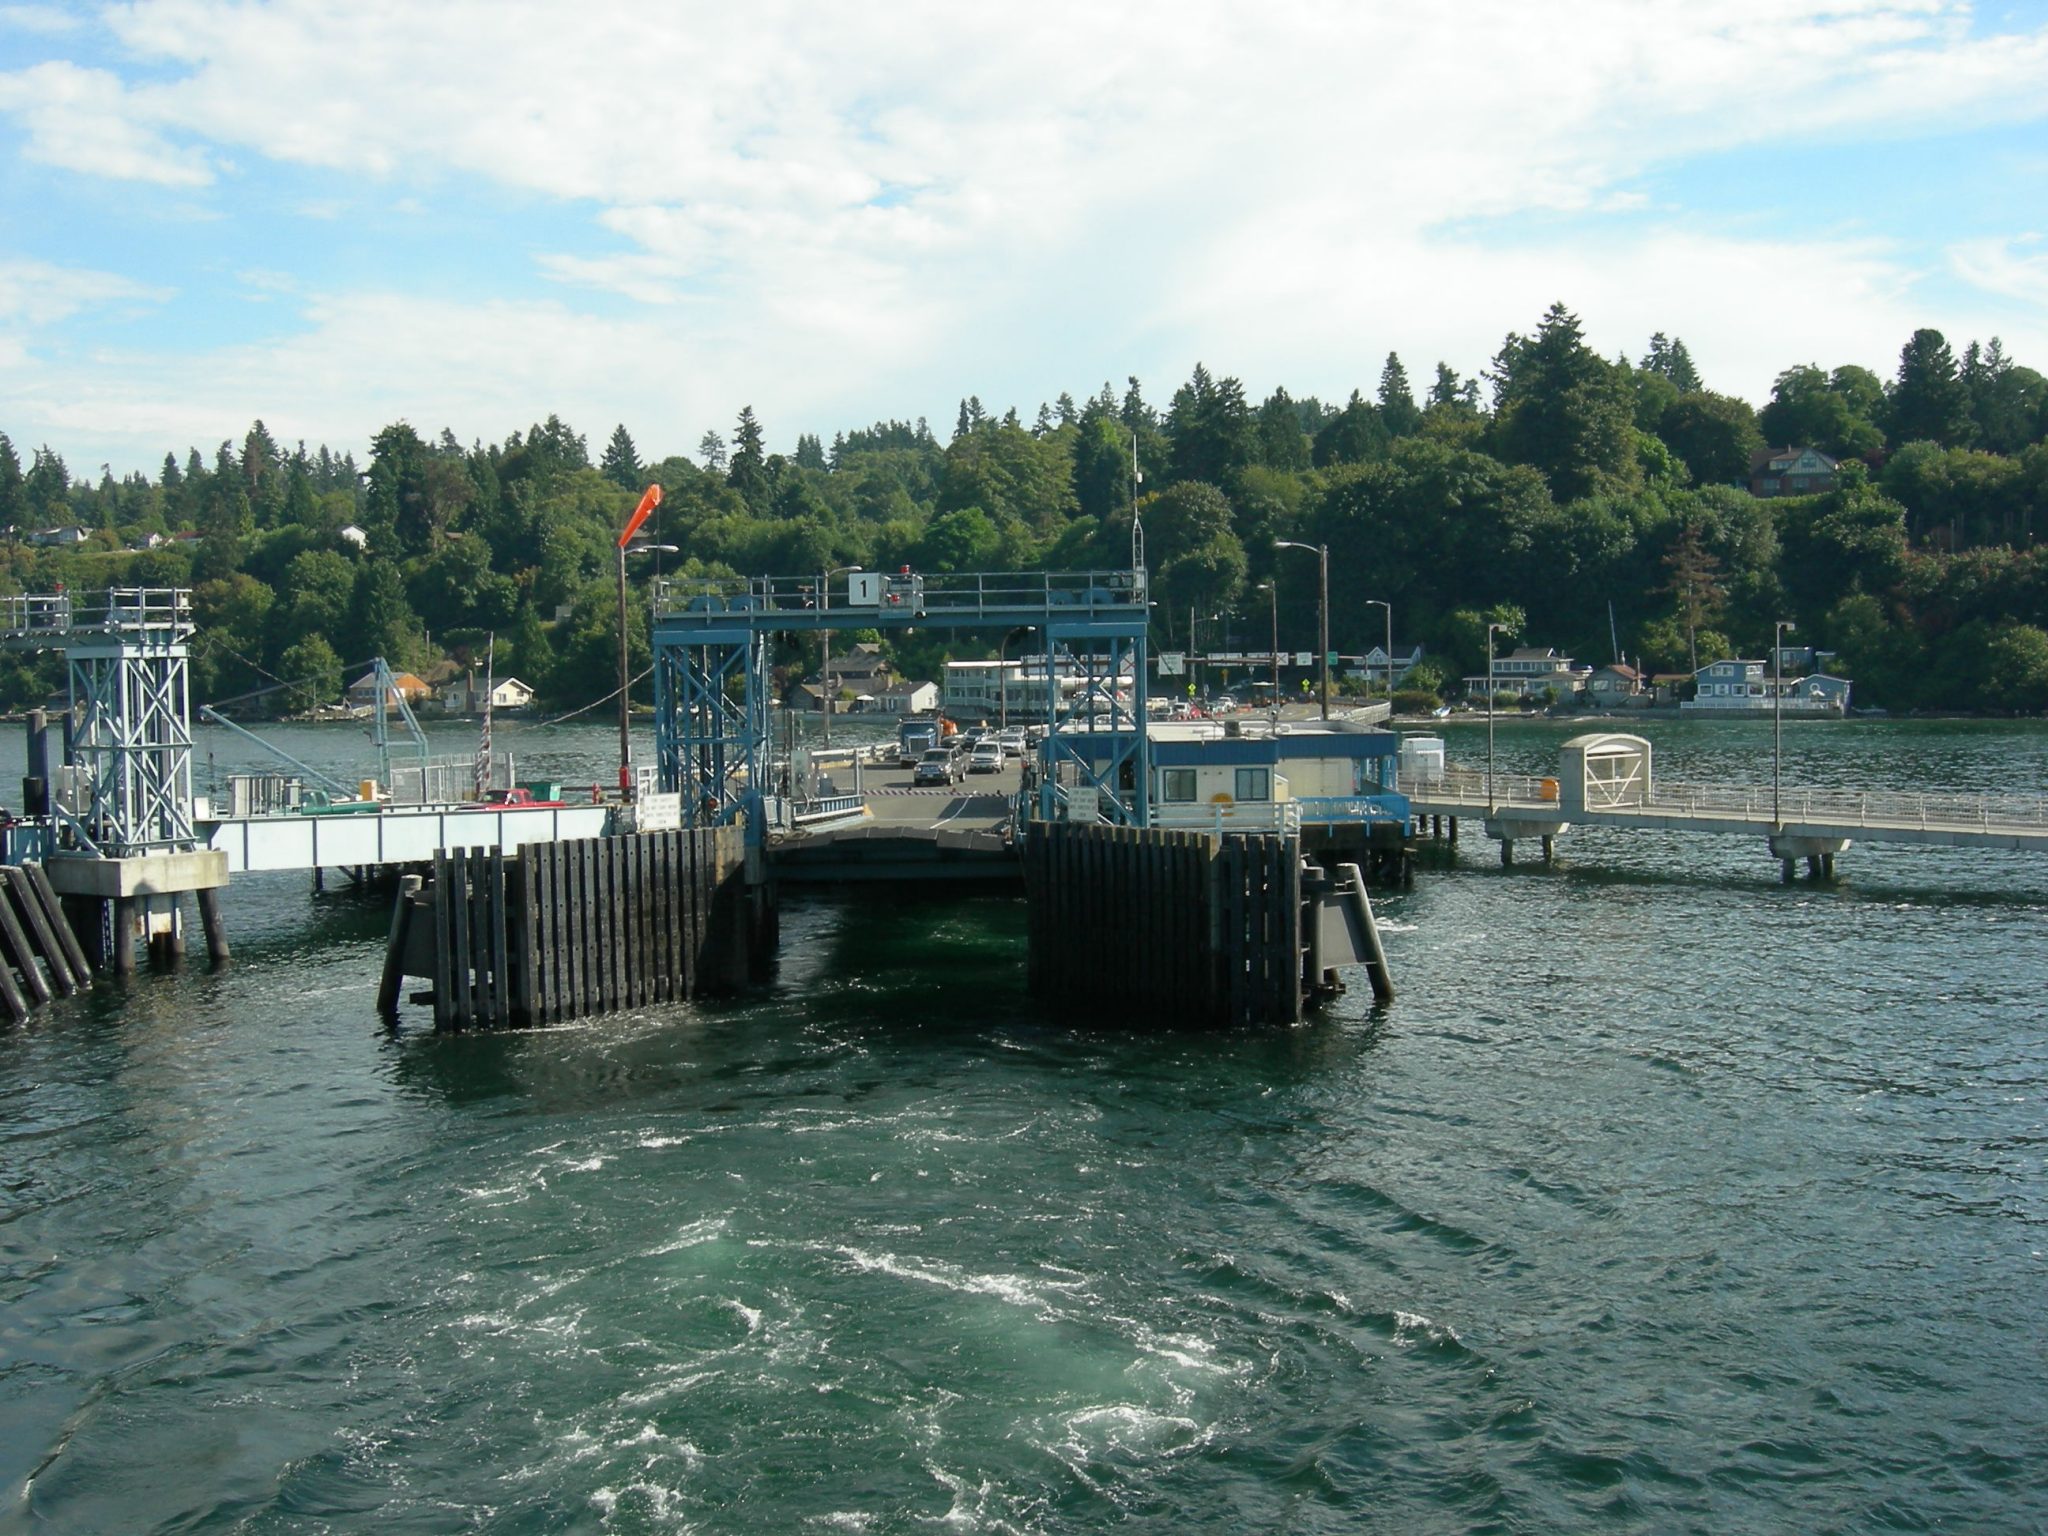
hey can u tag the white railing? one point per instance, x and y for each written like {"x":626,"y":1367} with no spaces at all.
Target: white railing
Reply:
{"x":1239,"y":816}
{"x":1752,"y":803}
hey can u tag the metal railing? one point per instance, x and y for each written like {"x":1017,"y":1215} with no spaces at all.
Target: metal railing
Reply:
{"x":1755,"y":804}
{"x":117,"y":610}
{"x":962,"y":596}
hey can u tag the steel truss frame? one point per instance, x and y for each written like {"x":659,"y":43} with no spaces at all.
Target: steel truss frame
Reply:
{"x":131,"y":703}
{"x":713,"y":707}
{"x":708,"y":745}
{"x":1122,"y":779}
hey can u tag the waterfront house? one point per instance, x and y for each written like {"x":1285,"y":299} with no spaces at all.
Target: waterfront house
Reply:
{"x":905,"y":699}
{"x":1531,"y":671}
{"x":1372,"y":666}
{"x":364,"y":693}
{"x":1738,"y":686}
{"x":1618,"y":686}
{"x":59,"y":538}
{"x":1791,"y":472}
{"x":863,"y":669}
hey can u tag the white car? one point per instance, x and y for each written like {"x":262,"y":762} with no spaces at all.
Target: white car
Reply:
{"x":987,"y":758}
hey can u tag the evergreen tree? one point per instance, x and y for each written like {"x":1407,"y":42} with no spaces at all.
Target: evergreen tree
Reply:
{"x":172,"y":479}
{"x":1929,"y":401}
{"x":1282,"y":444}
{"x":1668,"y":359}
{"x":748,"y":473}
{"x":711,"y":449}
{"x":1209,"y":430}
{"x":1352,"y":436}
{"x":1562,"y":409}
{"x":1398,"y":412}
{"x":13,"y":501}
{"x":1695,"y":584}
{"x":621,"y":461}
{"x":46,"y":488}
{"x":810,"y":453}
{"x":1065,"y":409}
{"x":1452,"y":393}
{"x":395,"y":512}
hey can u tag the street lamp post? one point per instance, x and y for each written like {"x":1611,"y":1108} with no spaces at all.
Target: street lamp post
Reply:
{"x":1778,"y":720}
{"x":1272,"y":589}
{"x":825,"y":639}
{"x":1003,"y":675}
{"x":1376,"y":602}
{"x":625,"y":713}
{"x":1491,"y":630}
{"x":1322,"y":552}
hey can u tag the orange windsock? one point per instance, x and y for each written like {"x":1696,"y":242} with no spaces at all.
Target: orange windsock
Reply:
{"x":648,"y":503}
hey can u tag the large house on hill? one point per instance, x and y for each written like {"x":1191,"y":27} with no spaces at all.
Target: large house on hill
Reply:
{"x":1791,"y":472}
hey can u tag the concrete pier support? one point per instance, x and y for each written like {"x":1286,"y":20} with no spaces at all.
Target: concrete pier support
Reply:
{"x":1819,"y":853}
{"x":1549,"y":848}
{"x":215,"y":927}
{"x":124,"y":936}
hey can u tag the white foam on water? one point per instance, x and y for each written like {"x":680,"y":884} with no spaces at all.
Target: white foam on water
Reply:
{"x":1016,"y":1290}
{"x":667,"y":1387}
{"x":843,"y":1520}
{"x":689,"y":1236}
{"x":586,"y":1164}
{"x":658,"y":1503}
{"x":1131,"y":1428}
{"x":751,"y":1316}
{"x":654,"y":1143}
{"x":1414,"y":1328}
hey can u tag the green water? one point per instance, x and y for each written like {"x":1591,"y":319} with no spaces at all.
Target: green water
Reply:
{"x":1664,"y":1198}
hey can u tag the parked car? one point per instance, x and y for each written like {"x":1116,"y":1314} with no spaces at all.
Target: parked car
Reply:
{"x":986,"y":758}
{"x":1013,"y":741}
{"x":941,"y":765}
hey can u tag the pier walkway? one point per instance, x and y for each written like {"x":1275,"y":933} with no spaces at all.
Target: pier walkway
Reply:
{"x":1606,"y":780}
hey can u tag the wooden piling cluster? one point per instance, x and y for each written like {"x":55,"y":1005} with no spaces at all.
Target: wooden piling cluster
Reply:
{"x":564,"y":930}
{"x":1167,"y":926}
{"x":40,"y":957}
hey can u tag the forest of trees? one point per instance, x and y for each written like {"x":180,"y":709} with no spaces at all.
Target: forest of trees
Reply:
{"x":1557,"y":485}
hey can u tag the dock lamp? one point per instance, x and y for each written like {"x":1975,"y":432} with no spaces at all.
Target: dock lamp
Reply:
{"x":1491,"y":631}
{"x":825,"y":640}
{"x":1272,"y":589}
{"x":1778,"y":720}
{"x":1322,"y":553}
{"x":1375,"y":602}
{"x":649,"y":500}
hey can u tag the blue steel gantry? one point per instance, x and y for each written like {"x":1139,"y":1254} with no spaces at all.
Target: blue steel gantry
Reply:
{"x":131,"y":712}
{"x":711,"y":681}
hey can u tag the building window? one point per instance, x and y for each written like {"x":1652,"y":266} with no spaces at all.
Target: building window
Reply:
{"x":1177,"y":786}
{"x":1254,"y":784}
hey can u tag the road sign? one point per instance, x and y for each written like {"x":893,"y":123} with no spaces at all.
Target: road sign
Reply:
{"x":1304,"y":658}
{"x":1173,"y":664}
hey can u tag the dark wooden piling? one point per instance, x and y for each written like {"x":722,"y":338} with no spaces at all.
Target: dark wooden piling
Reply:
{"x":560,"y":931}
{"x":1167,"y":926}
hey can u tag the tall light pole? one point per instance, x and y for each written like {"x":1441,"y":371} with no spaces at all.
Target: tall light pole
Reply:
{"x":649,"y":500}
{"x":1491,"y":631}
{"x":1322,"y":552}
{"x":1272,"y":589}
{"x":1778,"y":720}
{"x":825,"y":638}
{"x":1003,"y":675}
{"x":1376,"y":602}
{"x":625,"y":714}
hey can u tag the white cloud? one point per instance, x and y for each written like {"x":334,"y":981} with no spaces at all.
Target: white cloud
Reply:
{"x":40,"y":20}
{"x":2015,"y":269}
{"x":42,"y":293}
{"x":86,"y":120}
{"x":838,"y":212}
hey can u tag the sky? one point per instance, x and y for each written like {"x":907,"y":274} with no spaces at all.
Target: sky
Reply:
{"x":469,"y":214}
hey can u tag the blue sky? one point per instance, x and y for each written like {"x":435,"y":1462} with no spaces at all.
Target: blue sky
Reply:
{"x":473,"y":214}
